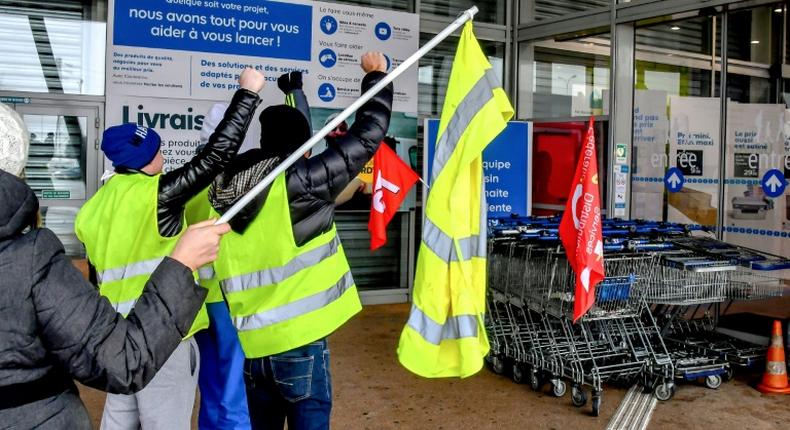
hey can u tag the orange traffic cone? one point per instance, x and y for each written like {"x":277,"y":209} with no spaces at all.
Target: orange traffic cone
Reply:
{"x":775,"y":376}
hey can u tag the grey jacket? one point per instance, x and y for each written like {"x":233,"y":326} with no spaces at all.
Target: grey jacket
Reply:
{"x":53,"y":321}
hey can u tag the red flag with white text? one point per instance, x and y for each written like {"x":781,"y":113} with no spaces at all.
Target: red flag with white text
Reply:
{"x":392,"y":179}
{"x":580,"y":228}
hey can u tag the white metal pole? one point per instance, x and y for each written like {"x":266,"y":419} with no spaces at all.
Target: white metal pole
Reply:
{"x":462,"y":19}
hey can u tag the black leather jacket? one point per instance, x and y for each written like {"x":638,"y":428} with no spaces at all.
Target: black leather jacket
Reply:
{"x":177,"y":187}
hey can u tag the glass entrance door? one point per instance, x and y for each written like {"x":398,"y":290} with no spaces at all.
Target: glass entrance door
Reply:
{"x":62,"y":165}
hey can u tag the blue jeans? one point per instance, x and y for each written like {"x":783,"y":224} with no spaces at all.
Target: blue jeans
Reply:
{"x":293,"y":385}
{"x":223,"y":399}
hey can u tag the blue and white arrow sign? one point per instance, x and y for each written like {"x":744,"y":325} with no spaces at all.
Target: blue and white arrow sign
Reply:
{"x":674,"y":180}
{"x":774,"y":183}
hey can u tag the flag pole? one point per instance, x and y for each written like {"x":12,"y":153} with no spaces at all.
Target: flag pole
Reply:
{"x":299,"y":153}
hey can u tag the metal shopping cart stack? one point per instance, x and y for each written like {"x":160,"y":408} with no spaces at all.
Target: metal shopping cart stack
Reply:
{"x":680,"y":281}
{"x":655,"y":315}
{"x":530,"y":300}
{"x":730,"y":273}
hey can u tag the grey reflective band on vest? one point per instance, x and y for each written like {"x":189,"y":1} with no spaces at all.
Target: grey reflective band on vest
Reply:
{"x":296,"y":308}
{"x":129,"y":271}
{"x":482,"y":237}
{"x":278,"y":274}
{"x":456,"y":327}
{"x":442,"y":244}
{"x":206,"y":272}
{"x":474,"y":101}
{"x":125,"y":307}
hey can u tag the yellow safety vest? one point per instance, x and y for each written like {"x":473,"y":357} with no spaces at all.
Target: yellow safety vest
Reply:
{"x":282,"y":296}
{"x":121,"y":235}
{"x":445,"y":335}
{"x":199,"y":209}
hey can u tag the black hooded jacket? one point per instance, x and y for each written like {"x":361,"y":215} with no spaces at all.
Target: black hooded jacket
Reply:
{"x":314,"y":183}
{"x":54,"y":325}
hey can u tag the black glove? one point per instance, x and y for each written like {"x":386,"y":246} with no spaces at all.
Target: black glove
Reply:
{"x":289,"y":82}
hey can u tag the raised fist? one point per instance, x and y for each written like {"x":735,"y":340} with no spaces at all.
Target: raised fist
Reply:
{"x":290,"y":81}
{"x":374,"y":62}
{"x":252,"y":80}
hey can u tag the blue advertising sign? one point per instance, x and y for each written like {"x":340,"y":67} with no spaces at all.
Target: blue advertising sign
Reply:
{"x":245,"y":27}
{"x":506,"y":166}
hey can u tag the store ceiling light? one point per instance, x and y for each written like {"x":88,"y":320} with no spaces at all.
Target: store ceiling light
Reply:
{"x":674,"y":28}
{"x":778,"y":10}
{"x":755,"y":42}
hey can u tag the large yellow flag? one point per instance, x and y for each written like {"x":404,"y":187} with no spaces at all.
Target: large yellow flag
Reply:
{"x":445,"y":335}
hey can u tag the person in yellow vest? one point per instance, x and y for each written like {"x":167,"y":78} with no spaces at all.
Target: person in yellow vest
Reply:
{"x":133,"y":221}
{"x":283,"y":271}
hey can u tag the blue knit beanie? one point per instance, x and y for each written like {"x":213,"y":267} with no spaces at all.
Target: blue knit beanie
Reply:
{"x":130,"y":145}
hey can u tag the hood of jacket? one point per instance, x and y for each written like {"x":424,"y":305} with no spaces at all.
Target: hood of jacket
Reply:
{"x":283,"y":130}
{"x":18,"y":206}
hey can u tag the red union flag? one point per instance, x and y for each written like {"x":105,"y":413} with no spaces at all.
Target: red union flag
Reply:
{"x":580,"y":228}
{"x":392,"y":179}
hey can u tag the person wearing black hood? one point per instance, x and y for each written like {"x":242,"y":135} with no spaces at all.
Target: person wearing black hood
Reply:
{"x":54,"y":325}
{"x":286,"y":280}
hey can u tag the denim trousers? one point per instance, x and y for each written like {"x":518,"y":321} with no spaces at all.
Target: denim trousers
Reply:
{"x":293,"y":386}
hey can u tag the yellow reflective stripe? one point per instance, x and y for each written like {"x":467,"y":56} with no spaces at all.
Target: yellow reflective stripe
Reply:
{"x":206,"y":273}
{"x":456,"y":327}
{"x":442,"y":244}
{"x":474,"y":101}
{"x":276,"y":275}
{"x":296,"y":308}
{"x":125,"y":307}
{"x":129,"y":271}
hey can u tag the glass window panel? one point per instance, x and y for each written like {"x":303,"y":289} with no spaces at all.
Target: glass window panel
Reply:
{"x":56,"y":163}
{"x":749,"y":89}
{"x":435,"y":70}
{"x":782,"y":11}
{"x":676,"y":123}
{"x":24,"y":73}
{"x":535,"y":10}
{"x":563,"y":79}
{"x":555,"y":151}
{"x":56,"y":171}
{"x":60,"y":219}
{"x":754,"y":35}
{"x":691,"y":36}
{"x":757,"y":135}
{"x":401,"y":5}
{"x":755,"y":217}
{"x":672,"y":79}
{"x":490,"y":10}
{"x":51,"y":47}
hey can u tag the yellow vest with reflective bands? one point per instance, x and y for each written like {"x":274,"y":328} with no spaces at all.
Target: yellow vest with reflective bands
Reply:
{"x":199,"y":209}
{"x":121,"y":235}
{"x":445,"y":334}
{"x":282,"y":296}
